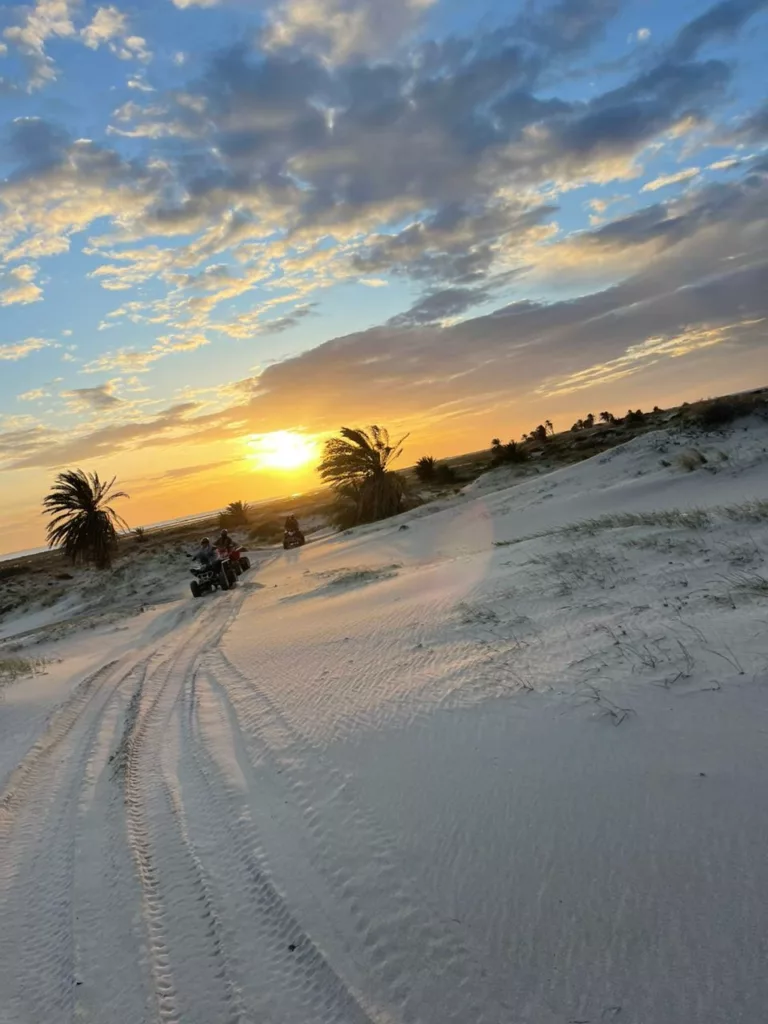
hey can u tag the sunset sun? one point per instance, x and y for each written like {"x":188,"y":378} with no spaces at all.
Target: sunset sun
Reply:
{"x":282,"y":450}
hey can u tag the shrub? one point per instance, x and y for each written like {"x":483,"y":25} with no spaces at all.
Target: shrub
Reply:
{"x":691,"y":460}
{"x":426,"y":468}
{"x":266,"y":532}
{"x":511,"y":452}
{"x":445,"y":474}
{"x":719,"y":412}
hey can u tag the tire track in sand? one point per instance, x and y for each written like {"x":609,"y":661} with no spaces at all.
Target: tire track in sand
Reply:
{"x":186,"y":958}
{"x":286,"y":975}
{"x":38,"y":821}
{"x":302,"y":802}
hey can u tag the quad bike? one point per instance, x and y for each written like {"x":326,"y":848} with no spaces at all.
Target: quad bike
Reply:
{"x":239,"y":561}
{"x":211,"y":577}
{"x":293,"y":539}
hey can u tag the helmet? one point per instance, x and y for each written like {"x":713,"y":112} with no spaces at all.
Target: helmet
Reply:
{"x":204,"y":542}
{"x":225,"y":533}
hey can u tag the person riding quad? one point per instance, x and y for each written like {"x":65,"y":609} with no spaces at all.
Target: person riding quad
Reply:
{"x":207,"y":554}
{"x":292,"y":524}
{"x":225,"y":542}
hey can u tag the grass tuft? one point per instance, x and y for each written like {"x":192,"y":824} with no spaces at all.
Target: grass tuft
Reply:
{"x":12,"y":669}
{"x":750,"y":582}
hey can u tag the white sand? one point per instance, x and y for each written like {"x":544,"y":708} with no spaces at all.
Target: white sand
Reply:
{"x":416,"y":775}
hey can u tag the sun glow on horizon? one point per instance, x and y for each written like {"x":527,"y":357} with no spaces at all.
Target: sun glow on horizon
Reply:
{"x":283,"y":450}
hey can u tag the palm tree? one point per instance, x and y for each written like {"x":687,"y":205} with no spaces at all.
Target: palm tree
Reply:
{"x":83,"y":524}
{"x":550,"y":428}
{"x":235,"y":514}
{"x":426,"y":468}
{"x":357,"y":466}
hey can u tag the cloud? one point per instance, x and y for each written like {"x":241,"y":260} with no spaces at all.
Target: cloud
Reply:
{"x":754,"y":127}
{"x":727,"y":164}
{"x":46,"y":19}
{"x":184,"y":472}
{"x":22,"y":442}
{"x":60,"y":186}
{"x":98,"y":399}
{"x":272,"y":175}
{"x":136,"y":361}
{"x":22,"y":349}
{"x":723,"y":209}
{"x":109,"y":27}
{"x":344,"y":28}
{"x":139,"y":84}
{"x":38,"y":447}
{"x":35,"y":395}
{"x":702,"y":295}
{"x":721,"y":21}
{"x":454,"y":133}
{"x":452,"y":140}
{"x":284,"y":323}
{"x":17,"y":286}
{"x":566,"y":26}
{"x":644,"y":354}
{"x":665,"y":180}
{"x":440,"y":306}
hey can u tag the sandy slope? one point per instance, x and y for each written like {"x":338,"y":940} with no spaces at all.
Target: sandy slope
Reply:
{"x":434,"y":774}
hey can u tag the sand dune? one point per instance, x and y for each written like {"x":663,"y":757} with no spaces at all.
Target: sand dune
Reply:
{"x":499,"y":760}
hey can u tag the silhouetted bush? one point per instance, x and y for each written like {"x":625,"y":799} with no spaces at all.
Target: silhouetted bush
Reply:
{"x":511,"y":452}
{"x":718,"y":414}
{"x":426,"y":469}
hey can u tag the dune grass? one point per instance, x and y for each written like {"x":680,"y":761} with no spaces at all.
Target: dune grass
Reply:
{"x":13,"y":669}
{"x":750,"y":582}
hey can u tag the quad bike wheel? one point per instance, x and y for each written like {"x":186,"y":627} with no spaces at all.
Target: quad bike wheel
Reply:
{"x":195,"y":587}
{"x":245,"y":563}
{"x":230,"y":573}
{"x":224,"y":583}
{"x":238,"y":569}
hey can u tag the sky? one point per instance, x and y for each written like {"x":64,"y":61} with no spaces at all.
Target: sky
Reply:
{"x":229,"y":227}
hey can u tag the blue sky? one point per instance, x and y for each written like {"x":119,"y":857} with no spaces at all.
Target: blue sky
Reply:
{"x":224,"y":219}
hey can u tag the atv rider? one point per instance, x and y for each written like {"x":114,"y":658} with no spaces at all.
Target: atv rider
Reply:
{"x":207,"y":555}
{"x":292,"y":524}
{"x":225,"y":542}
